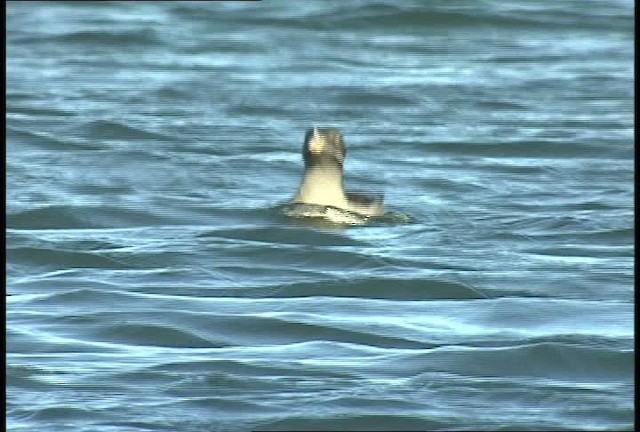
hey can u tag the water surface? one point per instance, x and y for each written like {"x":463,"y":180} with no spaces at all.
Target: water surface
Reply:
{"x":154,"y":285}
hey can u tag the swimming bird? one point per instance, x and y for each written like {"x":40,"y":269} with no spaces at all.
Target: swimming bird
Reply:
{"x":324,"y":152}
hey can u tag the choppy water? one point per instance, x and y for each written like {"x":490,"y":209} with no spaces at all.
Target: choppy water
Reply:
{"x":154,"y":285}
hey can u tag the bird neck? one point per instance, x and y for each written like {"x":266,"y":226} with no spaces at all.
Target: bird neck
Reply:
{"x":322,"y":185}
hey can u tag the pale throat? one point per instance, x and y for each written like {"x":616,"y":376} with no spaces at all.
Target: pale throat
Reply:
{"x":322,"y":185}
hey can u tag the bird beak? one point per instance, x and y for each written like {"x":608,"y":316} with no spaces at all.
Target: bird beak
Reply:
{"x":317,"y":142}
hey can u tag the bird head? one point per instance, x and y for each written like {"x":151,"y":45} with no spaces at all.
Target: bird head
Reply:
{"x":324,"y":144}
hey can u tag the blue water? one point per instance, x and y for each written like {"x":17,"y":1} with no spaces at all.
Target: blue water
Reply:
{"x":155,"y":284}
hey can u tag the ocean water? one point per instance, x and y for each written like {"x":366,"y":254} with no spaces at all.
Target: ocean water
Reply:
{"x":154,"y":284}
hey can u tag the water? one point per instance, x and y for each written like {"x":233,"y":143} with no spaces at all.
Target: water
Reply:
{"x":155,"y":284}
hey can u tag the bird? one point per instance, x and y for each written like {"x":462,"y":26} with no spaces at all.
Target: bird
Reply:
{"x":324,"y":151}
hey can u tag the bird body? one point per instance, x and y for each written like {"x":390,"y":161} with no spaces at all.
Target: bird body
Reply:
{"x":324,"y":152}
